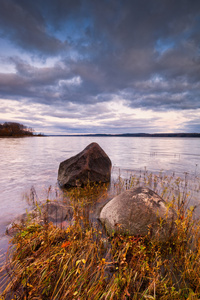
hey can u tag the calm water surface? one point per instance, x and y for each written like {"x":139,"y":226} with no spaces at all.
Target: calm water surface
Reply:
{"x":34,"y":161}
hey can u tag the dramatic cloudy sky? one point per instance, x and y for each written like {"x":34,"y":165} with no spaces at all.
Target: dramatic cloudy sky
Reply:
{"x":100,"y":66}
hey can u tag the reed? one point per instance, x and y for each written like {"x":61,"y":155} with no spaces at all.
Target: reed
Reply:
{"x":48,"y":261}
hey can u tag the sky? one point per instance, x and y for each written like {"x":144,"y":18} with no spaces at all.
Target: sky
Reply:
{"x":100,"y":66}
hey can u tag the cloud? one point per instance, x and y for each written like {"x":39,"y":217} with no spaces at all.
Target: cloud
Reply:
{"x":144,"y":54}
{"x":27,"y":29}
{"x":192,"y":121}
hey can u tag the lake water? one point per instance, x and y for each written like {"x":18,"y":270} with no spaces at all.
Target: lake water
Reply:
{"x":34,"y":161}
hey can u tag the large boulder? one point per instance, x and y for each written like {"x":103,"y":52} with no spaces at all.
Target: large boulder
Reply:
{"x":138,"y":211}
{"x":91,"y":165}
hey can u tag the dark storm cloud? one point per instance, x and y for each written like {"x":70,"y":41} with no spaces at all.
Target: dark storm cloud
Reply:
{"x":27,"y":28}
{"x":33,"y":82}
{"x":147,"y":52}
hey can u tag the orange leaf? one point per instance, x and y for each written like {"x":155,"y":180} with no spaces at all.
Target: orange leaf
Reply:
{"x":65,"y":244}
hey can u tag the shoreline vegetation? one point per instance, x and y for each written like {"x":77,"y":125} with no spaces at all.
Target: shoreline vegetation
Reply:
{"x":79,"y":261}
{"x":12,"y":129}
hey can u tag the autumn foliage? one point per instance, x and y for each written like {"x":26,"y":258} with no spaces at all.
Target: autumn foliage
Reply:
{"x":15,"y":129}
{"x":81,"y":262}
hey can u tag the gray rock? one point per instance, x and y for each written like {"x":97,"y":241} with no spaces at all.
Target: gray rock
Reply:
{"x":13,"y":227}
{"x":136,"y":211}
{"x":91,"y":165}
{"x":51,"y":211}
{"x":56,"y":212}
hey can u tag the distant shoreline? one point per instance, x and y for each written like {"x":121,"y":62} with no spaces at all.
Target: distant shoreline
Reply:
{"x":154,"y":135}
{"x":191,"y":135}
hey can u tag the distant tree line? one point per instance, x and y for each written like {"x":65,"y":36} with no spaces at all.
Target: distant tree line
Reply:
{"x":15,"y":129}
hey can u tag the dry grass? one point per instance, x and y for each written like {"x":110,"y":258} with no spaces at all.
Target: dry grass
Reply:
{"x":82,"y":262}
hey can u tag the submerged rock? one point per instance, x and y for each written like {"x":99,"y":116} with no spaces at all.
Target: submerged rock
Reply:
{"x":51,"y":211}
{"x":90,"y":165}
{"x":136,"y":212}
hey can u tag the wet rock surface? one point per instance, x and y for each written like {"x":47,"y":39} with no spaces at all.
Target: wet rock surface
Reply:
{"x":90,"y":165}
{"x":51,"y":211}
